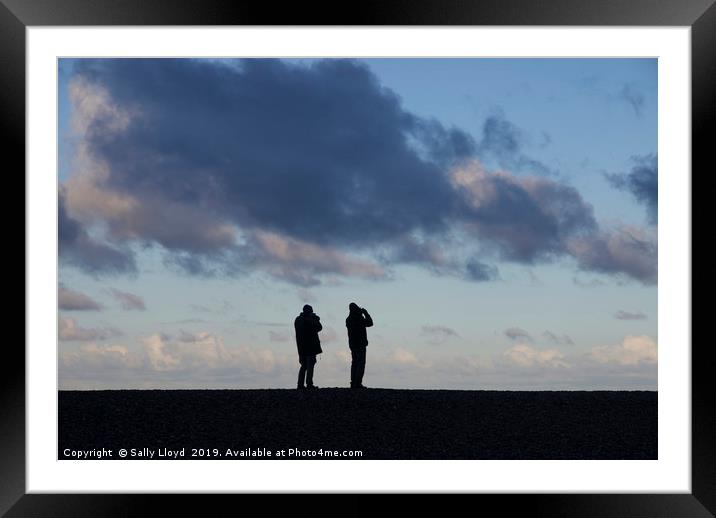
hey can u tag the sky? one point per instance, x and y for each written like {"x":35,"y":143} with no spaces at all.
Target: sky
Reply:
{"x":497,"y":218}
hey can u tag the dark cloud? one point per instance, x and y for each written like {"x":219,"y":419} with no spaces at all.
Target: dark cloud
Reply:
{"x":128,"y":301}
{"x":443,"y":146}
{"x":642,"y":182}
{"x":78,"y":248}
{"x":629,"y":315}
{"x":518,"y":334}
{"x":69,"y":300}
{"x":302,"y":172}
{"x":527,"y":219}
{"x":325,"y":142}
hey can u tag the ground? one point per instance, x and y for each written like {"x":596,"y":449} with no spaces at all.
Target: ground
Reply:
{"x":380,"y":423}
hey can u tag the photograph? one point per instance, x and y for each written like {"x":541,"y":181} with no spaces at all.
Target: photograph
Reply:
{"x":412,"y":249}
{"x":357,"y":258}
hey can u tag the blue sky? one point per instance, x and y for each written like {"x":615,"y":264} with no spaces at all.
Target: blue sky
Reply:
{"x":496,"y":216}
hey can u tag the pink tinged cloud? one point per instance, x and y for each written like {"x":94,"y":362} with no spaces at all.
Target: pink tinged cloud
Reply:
{"x":633,"y":350}
{"x":93,"y":356}
{"x":290,"y":258}
{"x":402,"y":356}
{"x":69,"y":330}
{"x":526,"y":356}
{"x":127,"y":217}
{"x":623,"y":250}
{"x":69,"y":300}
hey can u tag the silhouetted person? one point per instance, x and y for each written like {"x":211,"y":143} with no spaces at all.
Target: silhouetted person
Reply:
{"x":307,"y":326}
{"x":358,"y":319}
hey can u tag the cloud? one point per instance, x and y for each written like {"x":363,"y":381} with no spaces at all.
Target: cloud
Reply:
{"x":419,"y":249}
{"x":438,"y":334}
{"x":439,"y":254}
{"x":128,"y":301}
{"x":301,"y":262}
{"x":642,"y":182}
{"x":558,"y":339}
{"x":526,"y":218}
{"x":186,"y":337}
{"x":98,"y":118}
{"x":227,"y":139}
{"x":626,"y":250}
{"x":203,"y":360}
{"x":94,"y":358}
{"x":199,"y":350}
{"x":69,"y":330}
{"x":265,"y":166}
{"x":76,"y":247}
{"x":516,"y":333}
{"x":292,"y":260}
{"x":632,"y":351}
{"x":402,"y":356}
{"x":163,"y":357}
{"x":503,"y":141}
{"x":632,"y":97}
{"x":477,"y":271}
{"x":526,"y":356}
{"x":69,"y":300}
{"x":628,"y":315}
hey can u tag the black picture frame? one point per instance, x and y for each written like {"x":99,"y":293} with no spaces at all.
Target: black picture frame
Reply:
{"x":17,"y":15}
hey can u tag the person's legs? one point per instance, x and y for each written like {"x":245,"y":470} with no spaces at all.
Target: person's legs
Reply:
{"x":311,"y":362}
{"x":302,"y":371}
{"x":357,"y":366}
{"x":361,"y":366}
{"x":353,"y":367}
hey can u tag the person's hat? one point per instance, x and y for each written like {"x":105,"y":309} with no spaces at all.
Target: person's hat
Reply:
{"x":307,"y":309}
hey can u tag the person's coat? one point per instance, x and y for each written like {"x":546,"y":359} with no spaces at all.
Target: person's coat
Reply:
{"x":356,"y":324}
{"x":307,"y":326}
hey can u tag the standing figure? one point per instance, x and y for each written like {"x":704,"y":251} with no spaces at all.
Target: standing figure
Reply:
{"x":307,"y":326}
{"x":358,"y":319}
